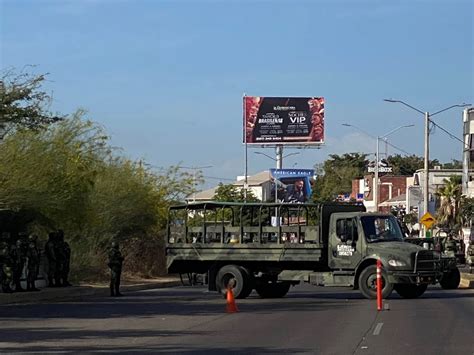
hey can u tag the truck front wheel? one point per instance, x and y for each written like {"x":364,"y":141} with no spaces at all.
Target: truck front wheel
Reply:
{"x":450,"y":279}
{"x":272,"y":289}
{"x":237,"y":277}
{"x":368,"y":283}
{"x":410,"y":290}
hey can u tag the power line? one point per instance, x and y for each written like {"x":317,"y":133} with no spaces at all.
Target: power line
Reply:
{"x":447,"y":132}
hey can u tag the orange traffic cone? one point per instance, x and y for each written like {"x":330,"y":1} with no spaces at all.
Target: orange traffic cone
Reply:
{"x":231,"y":306}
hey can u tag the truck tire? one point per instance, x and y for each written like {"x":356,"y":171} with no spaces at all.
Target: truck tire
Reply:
{"x":368,"y":283}
{"x":450,"y":279}
{"x":239,"y":276}
{"x":272,"y":289}
{"x":410,"y":290}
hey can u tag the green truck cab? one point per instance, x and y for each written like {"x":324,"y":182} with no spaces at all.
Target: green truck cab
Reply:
{"x":270,"y":247}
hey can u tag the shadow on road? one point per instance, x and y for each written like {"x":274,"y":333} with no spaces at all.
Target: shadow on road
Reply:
{"x":168,"y":348}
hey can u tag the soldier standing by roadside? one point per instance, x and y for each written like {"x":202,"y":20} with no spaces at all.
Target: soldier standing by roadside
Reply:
{"x":50,"y":252}
{"x":33,"y":256}
{"x":65,"y":252}
{"x":18,"y":257}
{"x":115,"y":265}
{"x":5,"y":267}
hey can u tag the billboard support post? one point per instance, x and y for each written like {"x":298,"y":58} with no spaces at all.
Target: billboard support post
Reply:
{"x":246,"y":153}
{"x":279,"y":156}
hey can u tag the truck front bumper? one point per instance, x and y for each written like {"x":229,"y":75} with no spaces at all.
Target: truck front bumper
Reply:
{"x":410,"y":277}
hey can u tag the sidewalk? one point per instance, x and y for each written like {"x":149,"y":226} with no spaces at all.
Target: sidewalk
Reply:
{"x":83,"y":291}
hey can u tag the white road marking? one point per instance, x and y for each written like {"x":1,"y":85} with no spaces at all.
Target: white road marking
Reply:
{"x":378,"y":328}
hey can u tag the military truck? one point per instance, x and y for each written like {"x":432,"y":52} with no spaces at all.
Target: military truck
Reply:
{"x":270,"y":247}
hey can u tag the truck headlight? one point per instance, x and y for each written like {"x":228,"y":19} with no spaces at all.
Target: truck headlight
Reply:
{"x":396,"y":263}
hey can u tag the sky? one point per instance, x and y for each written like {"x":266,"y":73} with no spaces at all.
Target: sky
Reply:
{"x":166,"y":78}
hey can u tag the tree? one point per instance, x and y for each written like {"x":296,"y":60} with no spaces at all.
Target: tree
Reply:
{"x":454,"y":164}
{"x":467,"y":210}
{"x":449,"y":210}
{"x":335,"y":175}
{"x":24,"y":103}
{"x":232,"y":193}
{"x":405,"y":165}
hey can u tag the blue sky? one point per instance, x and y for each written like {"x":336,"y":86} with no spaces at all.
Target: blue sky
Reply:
{"x":166,"y":78}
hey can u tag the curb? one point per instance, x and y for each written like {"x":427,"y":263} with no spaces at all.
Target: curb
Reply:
{"x":467,"y":281}
{"x":77,"y":293}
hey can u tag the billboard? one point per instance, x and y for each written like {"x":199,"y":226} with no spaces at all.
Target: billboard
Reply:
{"x":292,"y":185}
{"x":283,"y":120}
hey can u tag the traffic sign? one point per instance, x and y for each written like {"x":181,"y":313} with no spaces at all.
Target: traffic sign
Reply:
{"x":427,"y":220}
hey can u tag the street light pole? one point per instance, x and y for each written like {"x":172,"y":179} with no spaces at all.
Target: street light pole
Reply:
{"x":376,"y":184}
{"x":195,"y":169}
{"x":377,"y":158}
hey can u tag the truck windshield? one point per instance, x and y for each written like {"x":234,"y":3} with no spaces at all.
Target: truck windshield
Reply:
{"x":381,"y":229}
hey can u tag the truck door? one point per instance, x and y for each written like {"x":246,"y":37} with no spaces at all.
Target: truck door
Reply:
{"x":345,"y":245}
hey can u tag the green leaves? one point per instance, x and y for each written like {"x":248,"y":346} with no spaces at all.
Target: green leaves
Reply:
{"x":335,"y":175}
{"x":23,"y":103}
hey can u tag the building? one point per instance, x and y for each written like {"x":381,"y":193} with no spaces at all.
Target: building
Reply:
{"x":403,"y":191}
{"x":390,"y":187}
{"x":259,"y":184}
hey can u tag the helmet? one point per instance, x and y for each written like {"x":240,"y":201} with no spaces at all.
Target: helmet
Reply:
{"x":32,"y":237}
{"x":114,"y":244}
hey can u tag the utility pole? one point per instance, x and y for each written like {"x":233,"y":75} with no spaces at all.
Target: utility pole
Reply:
{"x":426,"y":180}
{"x":467,"y":122}
{"x":427,"y":116}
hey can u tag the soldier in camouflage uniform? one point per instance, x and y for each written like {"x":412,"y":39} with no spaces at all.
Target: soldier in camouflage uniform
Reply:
{"x":450,"y":246}
{"x":470,"y":255}
{"x":5,"y":267}
{"x":18,"y":257}
{"x":33,"y":262}
{"x":65,"y":258}
{"x":50,"y":251}
{"x":115,"y":265}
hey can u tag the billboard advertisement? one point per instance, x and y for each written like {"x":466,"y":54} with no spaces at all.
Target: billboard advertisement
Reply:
{"x":292,"y":185}
{"x":283,"y":120}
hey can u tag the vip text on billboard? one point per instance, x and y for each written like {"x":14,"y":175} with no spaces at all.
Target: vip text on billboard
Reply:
{"x":283,"y":120}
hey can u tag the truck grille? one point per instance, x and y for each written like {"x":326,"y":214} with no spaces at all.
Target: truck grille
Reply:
{"x":425,"y":260}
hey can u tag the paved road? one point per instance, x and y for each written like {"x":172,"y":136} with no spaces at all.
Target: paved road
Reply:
{"x":308,"y":320}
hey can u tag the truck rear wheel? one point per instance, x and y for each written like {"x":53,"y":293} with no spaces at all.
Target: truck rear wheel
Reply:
{"x":368,"y":283}
{"x":236,"y":275}
{"x":450,"y":279}
{"x":410,"y":290}
{"x":272,"y":289}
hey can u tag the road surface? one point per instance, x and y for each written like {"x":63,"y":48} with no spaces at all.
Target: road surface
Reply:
{"x":183,"y":319}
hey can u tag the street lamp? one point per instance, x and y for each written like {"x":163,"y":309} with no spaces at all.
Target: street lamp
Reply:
{"x":378,"y":138}
{"x":427,"y":116}
{"x":195,"y":169}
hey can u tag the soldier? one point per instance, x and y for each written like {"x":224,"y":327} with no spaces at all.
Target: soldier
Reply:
{"x":450,"y":246}
{"x":64,"y":259}
{"x":470,"y":255}
{"x":50,"y":252}
{"x":5,"y":267}
{"x":18,"y":257}
{"x":33,"y":256}
{"x":115,"y":265}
